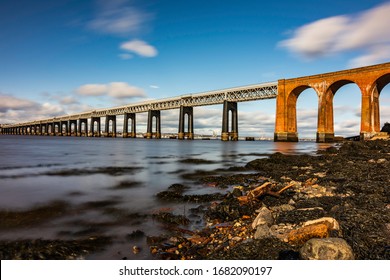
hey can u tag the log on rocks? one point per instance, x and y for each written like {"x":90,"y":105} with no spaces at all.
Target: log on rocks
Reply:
{"x":303,"y":234}
{"x":268,"y":189}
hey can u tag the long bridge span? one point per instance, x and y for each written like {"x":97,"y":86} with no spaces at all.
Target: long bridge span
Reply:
{"x":370,"y":80}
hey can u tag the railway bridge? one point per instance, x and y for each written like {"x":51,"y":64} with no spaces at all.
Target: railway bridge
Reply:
{"x":370,"y":80}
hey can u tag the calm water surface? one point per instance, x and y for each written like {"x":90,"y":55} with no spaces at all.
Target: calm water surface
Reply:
{"x":104,"y":181}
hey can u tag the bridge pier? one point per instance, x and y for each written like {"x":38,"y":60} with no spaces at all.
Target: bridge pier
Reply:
{"x":126,"y":133}
{"x":43,"y":129}
{"x":38,"y":129}
{"x":154,"y":114}
{"x":57,"y":129}
{"x":74,"y":123}
{"x":226,"y":134}
{"x":92,"y":132}
{"x":64,"y":128}
{"x":107,"y":133}
{"x":189,"y":111}
{"x":80,"y":132}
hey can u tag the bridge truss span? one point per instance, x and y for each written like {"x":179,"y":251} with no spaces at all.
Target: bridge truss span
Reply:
{"x":238,"y":94}
{"x":233,"y":95}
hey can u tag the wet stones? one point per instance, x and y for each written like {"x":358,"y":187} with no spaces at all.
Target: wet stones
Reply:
{"x":176,"y":193}
{"x":339,"y":193}
{"x":51,"y":249}
{"x":135,"y":235}
{"x":169,"y":218}
{"x":326,"y":249}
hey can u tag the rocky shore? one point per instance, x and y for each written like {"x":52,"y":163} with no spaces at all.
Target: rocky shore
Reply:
{"x":333,"y":205}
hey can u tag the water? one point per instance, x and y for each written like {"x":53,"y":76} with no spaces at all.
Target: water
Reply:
{"x":107,"y":186}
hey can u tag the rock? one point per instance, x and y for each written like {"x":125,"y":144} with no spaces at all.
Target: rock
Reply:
{"x":303,"y":234}
{"x":283,"y":207}
{"x":326,"y":249}
{"x":381,"y":160}
{"x":291,"y":202}
{"x":262,"y":231}
{"x":136,"y":250}
{"x":237,"y":192}
{"x":264,"y":217}
{"x":329,"y":221}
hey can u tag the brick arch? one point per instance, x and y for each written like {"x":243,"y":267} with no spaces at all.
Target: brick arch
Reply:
{"x":326,"y":113}
{"x":292,"y":99}
{"x":376,"y":90}
{"x":371,"y":80}
{"x":339,"y":84}
{"x":382,"y":81}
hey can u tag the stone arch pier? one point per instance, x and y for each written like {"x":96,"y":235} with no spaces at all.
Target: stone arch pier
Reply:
{"x":370,"y":80}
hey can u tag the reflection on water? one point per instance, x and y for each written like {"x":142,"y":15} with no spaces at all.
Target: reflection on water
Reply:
{"x":103,"y":186}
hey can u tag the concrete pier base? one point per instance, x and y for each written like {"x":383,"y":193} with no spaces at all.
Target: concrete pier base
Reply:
{"x":286,"y":137}
{"x":323,"y":137}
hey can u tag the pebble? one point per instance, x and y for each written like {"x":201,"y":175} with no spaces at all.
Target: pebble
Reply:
{"x":136,"y":250}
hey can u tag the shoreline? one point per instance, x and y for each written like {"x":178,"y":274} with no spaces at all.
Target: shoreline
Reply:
{"x":350,"y":184}
{"x":345,"y":192}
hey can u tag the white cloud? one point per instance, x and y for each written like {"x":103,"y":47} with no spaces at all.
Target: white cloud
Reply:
{"x":9,"y":102}
{"x":367,"y":32}
{"x":92,"y":90}
{"x":14,"y":110}
{"x":118,"y":17}
{"x":123,"y":90}
{"x":154,"y":86}
{"x":68,"y":100}
{"x":139,"y":47}
{"x":119,"y":90}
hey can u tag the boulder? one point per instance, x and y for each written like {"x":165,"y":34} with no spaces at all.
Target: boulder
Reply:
{"x":326,"y":249}
{"x":263,"y":218}
{"x":262,"y":231}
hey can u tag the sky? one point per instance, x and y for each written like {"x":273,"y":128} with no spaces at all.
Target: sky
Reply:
{"x":68,"y":56}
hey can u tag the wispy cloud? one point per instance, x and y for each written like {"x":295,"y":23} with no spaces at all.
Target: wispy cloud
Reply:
{"x":92,"y":89}
{"x":14,"y":110}
{"x":139,"y":47}
{"x":118,"y":90}
{"x":9,"y":102}
{"x":367,"y":32}
{"x":118,"y":17}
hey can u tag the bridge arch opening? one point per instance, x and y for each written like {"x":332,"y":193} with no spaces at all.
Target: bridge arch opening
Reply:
{"x":111,"y":127}
{"x":347,"y":98}
{"x":96,"y":127}
{"x":64,"y":128}
{"x":383,"y":86}
{"x":72,"y":128}
{"x":83,"y":127}
{"x":302,"y":113}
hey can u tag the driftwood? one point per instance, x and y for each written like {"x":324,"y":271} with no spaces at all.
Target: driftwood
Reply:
{"x":264,"y":189}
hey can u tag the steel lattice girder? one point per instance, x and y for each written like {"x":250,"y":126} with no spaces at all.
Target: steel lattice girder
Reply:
{"x":238,"y":94}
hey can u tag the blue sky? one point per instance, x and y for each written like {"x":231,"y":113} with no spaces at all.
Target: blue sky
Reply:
{"x":67,"y":56}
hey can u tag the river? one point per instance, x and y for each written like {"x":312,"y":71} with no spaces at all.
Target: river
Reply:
{"x":99,"y":181}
